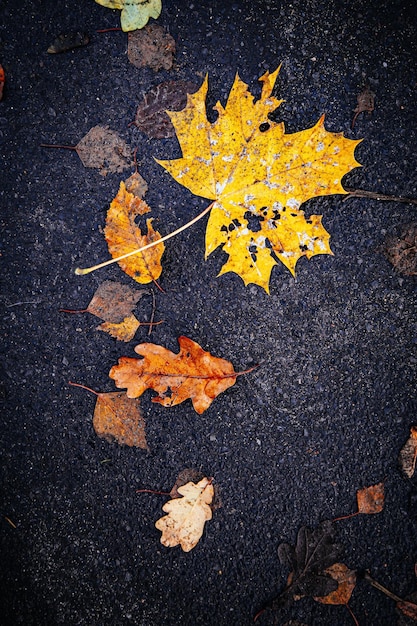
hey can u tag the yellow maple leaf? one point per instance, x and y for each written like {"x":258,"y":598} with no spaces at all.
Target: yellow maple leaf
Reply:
{"x":258,"y":177}
{"x":123,"y":235}
{"x":135,"y":13}
{"x":186,"y":517}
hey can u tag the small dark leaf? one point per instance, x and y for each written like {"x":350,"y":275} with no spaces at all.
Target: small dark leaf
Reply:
{"x":402,"y":251}
{"x":68,"y":41}
{"x":151,"y":117}
{"x":314,"y":552}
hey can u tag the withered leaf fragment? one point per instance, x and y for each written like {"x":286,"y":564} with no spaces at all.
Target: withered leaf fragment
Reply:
{"x":371,"y":499}
{"x":151,"y":47}
{"x":366,"y":103}
{"x":408,"y":454}
{"x":113,"y":301}
{"x":185,"y":476}
{"x":151,"y":117}
{"x":68,"y":41}
{"x":314,"y":552}
{"x":346,"y":580}
{"x":117,"y":417}
{"x":192,"y":373}
{"x":401,"y":251}
{"x":123,"y":236}
{"x":122,"y":331}
{"x":103,"y":149}
{"x":187,"y":515}
{"x":136,"y":185}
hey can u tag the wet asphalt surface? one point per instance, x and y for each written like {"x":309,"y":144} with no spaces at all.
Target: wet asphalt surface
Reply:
{"x":289,"y":445}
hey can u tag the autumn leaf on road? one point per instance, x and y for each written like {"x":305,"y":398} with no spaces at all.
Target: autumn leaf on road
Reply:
{"x":187,"y":515}
{"x":258,"y":177}
{"x":101,"y":148}
{"x":135,"y":13}
{"x":408,"y":454}
{"x":309,"y":560}
{"x":346,"y":581}
{"x":370,"y":501}
{"x":114,"y":302}
{"x":192,"y":373}
{"x":123,"y":235}
{"x":117,"y":417}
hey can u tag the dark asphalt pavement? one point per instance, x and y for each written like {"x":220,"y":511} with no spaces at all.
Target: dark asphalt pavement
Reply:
{"x":325,"y":414}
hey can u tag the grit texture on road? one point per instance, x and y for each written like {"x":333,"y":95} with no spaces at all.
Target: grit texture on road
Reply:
{"x":331,"y":404}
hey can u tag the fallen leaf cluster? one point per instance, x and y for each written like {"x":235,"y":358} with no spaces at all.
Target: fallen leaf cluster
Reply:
{"x":313,"y":562}
{"x":114,"y":302}
{"x":256,"y":177}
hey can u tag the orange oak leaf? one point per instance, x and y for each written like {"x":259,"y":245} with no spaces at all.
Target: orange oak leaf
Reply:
{"x":258,"y":177}
{"x":123,"y":236}
{"x":346,"y":580}
{"x":192,"y":373}
{"x":408,"y":454}
{"x":187,"y":515}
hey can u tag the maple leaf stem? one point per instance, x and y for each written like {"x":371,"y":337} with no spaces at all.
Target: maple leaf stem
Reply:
{"x":73,"y":310}
{"x":158,"y":493}
{"x":337,"y":519}
{"x":380,"y":587}
{"x":362,"y":193}
{"x":107,"y":30}
{"x":353,"y":616}
{"x":56,"y":145}
{"x":151,"y":323}
{"x":82,"y":271}
{"x":83,"y":387}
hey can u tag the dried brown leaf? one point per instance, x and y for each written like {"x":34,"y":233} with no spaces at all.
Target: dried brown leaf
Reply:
{"x":346,"y":580}
{"x":401,"y":251}
{"x":371,"y":499}
{"x":137,"y":185}
{"x":117,"y":417}
{"x":113,"y":302}
{"x":185,"y":476}
{"x":151,"y":47}
{"x":103,"y":149}
{"x":366,"y":103}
